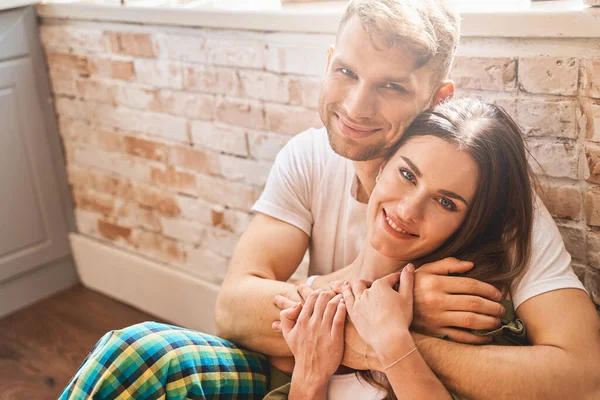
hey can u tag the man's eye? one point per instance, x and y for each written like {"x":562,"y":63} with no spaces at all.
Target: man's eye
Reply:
{"x":346,"y":71}
{"x":395,"y":87}
{"x":407,"y":174}
{"x":447,"y":204}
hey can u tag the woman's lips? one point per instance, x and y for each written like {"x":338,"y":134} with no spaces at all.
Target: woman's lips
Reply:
{"x":354,"y":131}
{"x":393,"y":232}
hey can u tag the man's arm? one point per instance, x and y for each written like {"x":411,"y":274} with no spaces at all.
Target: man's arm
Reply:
{"x":563,"y":327}
{"x":266,"y":256}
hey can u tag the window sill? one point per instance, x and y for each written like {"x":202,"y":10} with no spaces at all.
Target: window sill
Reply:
{"x":510,"y":18}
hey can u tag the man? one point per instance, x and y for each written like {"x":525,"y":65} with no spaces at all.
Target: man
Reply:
{"x":390,"y":62}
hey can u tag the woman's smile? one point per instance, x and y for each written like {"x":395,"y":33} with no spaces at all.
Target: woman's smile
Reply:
{"x":396,"y":229}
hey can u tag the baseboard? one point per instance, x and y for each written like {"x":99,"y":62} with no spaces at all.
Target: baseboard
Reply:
{"x":151,"y":287}
{"x":36,"y":285}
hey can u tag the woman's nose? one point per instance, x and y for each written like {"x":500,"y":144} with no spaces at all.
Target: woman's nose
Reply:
{"x":410,"y":209}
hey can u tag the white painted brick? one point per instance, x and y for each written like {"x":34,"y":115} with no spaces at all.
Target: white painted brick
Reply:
{"x":205,"y":264}
{"x":235,"y":53}
{"x":195,"y":209}
{"x":557,"y":159}
{"x":235,"y":221}
{"x":207,"y":79}
{"x":230,"y":194}
{"x":304,"y":91}
{"x":575,"y":240}
{"x":159,"y":73}
{"x":161,"y":125}
{"x":221,"y":242}
{"x":190,"y":48}
{"x":243,"y":169}
{"x":264,"y":145}
{"x":238,"y":112}
{"x":485,"y":73}
{"x":549,"y":75}
{"x":548,"y":118}
{"x":263,"y":86}
{"x":123,"y":165}
{"x":137,"y":97}
{"x":219,"y":137}
{"x":86,"y":221}
{"x":70,"y":37}
{"x":180,"y":229}
{"x":297,"y":59}
{"x":290,"y":119}
{"x":189,"y":105}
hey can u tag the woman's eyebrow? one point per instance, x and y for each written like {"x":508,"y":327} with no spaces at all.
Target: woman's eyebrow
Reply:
{"x":412,"y":166}
{"x":452,"y":195}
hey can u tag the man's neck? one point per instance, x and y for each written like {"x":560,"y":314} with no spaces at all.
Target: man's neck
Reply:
{"x":366,"y":172}
{"x":371,"y":264}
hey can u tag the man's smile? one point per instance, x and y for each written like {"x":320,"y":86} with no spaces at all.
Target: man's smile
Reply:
{"x":353,"y":130}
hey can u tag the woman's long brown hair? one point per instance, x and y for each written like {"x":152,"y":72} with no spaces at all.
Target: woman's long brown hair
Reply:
{"x":496,"y":233}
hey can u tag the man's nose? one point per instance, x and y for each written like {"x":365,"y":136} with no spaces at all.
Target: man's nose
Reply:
{"x":360,"y":102}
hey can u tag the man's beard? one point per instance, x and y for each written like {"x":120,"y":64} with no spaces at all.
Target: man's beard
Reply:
{"x":363,"y":153}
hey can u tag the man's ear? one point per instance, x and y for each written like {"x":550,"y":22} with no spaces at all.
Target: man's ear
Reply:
{"x":444,"y":92}
{"x":329,"y":56}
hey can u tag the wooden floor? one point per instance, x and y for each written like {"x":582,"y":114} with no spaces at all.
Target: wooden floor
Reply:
{"x":42,"y":346}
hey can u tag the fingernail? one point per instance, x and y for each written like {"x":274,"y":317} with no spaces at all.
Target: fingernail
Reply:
{"x":345,"y":283}
{"x":410,"y":268}
{"x":335,"y":283}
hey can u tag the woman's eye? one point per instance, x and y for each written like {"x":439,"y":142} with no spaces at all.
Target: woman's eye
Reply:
{"x":407,"y":174}
{"x":447,"y":204}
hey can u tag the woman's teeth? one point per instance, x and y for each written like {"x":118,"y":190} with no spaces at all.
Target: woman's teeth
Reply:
{"x":395,"y":227}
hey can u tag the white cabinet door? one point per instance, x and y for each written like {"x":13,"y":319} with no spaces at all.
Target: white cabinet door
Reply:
{"x":33,"y":230}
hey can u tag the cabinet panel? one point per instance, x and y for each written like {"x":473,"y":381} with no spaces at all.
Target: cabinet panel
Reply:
{"x":13,"y":38}
{"x":33,"y":230}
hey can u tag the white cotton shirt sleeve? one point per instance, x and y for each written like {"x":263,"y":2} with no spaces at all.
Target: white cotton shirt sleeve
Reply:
{"x":287,"y":193}
{"x":550,"y":265}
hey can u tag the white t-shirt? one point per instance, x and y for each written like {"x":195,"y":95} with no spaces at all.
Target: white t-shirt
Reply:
{"x":314,"y":189}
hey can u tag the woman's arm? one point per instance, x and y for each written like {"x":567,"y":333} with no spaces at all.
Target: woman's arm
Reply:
{"x":314,"y":332}
{"x":382,"y":317}
{"x":407,"y":372}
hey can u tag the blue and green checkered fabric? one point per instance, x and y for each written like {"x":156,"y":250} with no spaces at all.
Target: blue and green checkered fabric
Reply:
{"x":159,"y":361}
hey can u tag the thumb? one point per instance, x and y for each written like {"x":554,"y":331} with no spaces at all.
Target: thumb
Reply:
{"x":407,"y":281}
{"x":391,"y":280}
{"x":447,"y":266}
{"x":288,"y":317}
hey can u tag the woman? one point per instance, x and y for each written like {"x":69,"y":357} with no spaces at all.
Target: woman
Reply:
{"x":456,"y":184}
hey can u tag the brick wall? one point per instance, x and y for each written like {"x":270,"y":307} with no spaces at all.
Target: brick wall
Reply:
{"x":169,"y":133}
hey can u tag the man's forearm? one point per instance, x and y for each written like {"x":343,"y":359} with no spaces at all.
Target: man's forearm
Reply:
{"x":245,"y":313}
{"x":493,"y":372}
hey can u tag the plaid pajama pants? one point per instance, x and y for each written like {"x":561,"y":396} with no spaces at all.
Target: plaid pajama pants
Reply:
{"x":159,"y":361}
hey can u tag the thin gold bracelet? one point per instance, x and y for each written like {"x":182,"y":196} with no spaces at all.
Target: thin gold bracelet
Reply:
{"x":400,"y":359}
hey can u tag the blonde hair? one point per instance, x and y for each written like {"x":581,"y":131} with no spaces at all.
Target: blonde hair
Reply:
{"x":428,"y":29}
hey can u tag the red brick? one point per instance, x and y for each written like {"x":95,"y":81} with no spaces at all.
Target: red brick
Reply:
{"x":113,"y":231}
{"x":164,"y":203}
{"x":146,"y":148}
{"x":562,"y":201}
{"x":189,"y":158}
{"x":592,"y":206}
{"x":134,"y":44}
{"x":97,"y":202}
{"x":182,"y":182}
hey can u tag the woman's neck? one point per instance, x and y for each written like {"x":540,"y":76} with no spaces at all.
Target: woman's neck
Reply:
{"x":371,"y":264}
